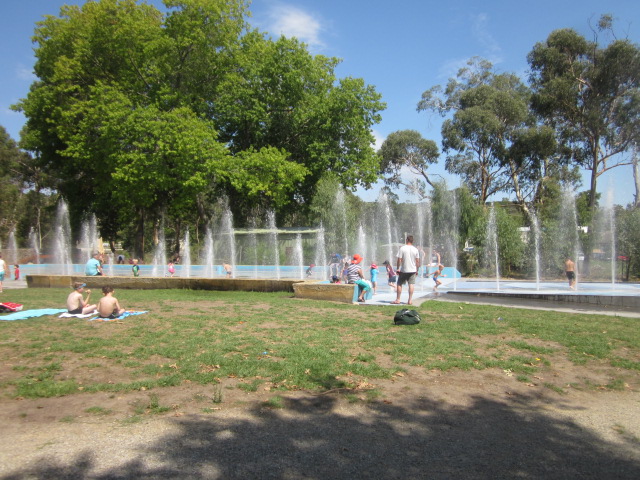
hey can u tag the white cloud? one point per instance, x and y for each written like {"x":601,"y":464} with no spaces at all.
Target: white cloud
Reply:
{"x":487,"y":45}
{"x":379,"y":139}
{"x":451,"y":67}
{"x":291,"y":21}
{"x":482,"y":33}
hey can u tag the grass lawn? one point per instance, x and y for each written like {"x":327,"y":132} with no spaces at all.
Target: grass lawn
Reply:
{"x":203,"y":337}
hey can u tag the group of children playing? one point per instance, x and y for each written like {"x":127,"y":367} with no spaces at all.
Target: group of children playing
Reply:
{"x":391,"y":274}
{"x":107,"y":308}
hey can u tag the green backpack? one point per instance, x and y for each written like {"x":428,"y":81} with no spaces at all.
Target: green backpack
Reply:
{"x":406,"y":317}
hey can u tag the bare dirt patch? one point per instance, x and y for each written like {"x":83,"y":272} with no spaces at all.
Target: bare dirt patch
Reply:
{"x":476,"y":424}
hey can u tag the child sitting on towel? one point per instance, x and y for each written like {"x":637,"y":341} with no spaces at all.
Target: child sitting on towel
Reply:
{"x":108,"y":306}
{"x":78,"y":305}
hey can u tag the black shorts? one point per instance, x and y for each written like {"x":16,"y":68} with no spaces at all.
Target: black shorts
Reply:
{"x":571,"y":275}
{"x":409,"y":277}
{"x":76,"y":311}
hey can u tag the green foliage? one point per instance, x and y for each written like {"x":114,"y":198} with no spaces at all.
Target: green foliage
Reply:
{"x":138,"y":113}
{"x":591,"y":94}
{"x":492,"y":140}
{"x":407,"y":148}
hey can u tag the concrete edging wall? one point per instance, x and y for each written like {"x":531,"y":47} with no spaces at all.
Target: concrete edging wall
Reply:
{"x":301,"y":289}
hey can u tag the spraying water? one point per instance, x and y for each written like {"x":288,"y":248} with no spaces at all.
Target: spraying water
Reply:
{"x":384,"y":224}
{"x":186,"y":255}
{"x":298,"y":259}
{"x":535,"y":227}
{"x":62,"y":239}
{"x":12,"y":246}
{"x":273,"y":242}
{"x":89,"y":237}
{"x":160,"y":254}
{"x":209,"y":255}
{"x":569,"y":239}
{"x":321,"y":253}
{"x":253,"y":246}
{"x":229,"y":236}
{"x":34,"y":243}
{"x":341,"y":209}
{"x":492,"y":244}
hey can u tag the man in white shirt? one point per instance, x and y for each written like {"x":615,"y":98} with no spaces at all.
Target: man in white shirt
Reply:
{"x":407,"y":263}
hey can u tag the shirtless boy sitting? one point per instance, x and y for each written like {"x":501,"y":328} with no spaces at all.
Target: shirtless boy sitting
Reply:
{"x":78,"y":305}
{"x":108,"y":306}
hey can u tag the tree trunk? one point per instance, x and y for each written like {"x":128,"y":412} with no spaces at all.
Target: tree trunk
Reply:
{"x":517,"y":190}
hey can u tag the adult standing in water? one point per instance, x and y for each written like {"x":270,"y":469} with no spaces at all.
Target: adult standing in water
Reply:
{"x":407,"y":263}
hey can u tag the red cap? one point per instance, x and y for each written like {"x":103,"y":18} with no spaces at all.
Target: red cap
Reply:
{"x":373,"y":265}
{"x":356,"y":258}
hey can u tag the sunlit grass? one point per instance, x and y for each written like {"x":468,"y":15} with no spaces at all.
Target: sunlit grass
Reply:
{"x":203,"y":337}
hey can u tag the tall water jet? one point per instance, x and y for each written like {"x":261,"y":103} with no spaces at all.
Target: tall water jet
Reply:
{"x":321,"y":253}
{"x":383,"y":222}
{"x":89,"y":237}
{"x":341,"y":210}
{"x":229,"y":238}
{"x":454,"y":234}
{"x":535,"y":229}
{"x":12,"y":246}
{"x":62,"y":239}
{"x":208,"y":252}
{"x":362,"y":246}
{"x":34,"y":243}
{"x":253,"y":246}
{"x":298,"y":257}
{"x":607,"y":229}
{"x":568,"y":238}
{"x":273,"y":241}
{"x":110,"y":269}
{"x":429,"y":226}
{"x":160,"y":252}
{"x":492,"y":244}
{"x":185,"y":270}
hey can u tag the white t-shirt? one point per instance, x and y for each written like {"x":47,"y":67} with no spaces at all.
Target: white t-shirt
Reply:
{"x":410,"y":259}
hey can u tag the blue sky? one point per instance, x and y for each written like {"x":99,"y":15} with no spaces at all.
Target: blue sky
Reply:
{"x":402,"y":48}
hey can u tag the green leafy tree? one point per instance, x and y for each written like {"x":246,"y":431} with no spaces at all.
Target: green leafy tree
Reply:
{"x":493,"y":140}
{"x":590,"y":94}
{"x":279,"y":95}
{"x":408,"y":149}
{"x":11,"y":206}
{"x":167,"y":112}
{"x":628,"y":241}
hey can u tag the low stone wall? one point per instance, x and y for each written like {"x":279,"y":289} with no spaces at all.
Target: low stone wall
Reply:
{"x":302,"y":289}
{"x":335,"y":292}
{"x":154,"y":283}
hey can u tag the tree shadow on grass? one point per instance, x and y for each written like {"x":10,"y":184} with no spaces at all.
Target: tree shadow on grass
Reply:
{"x":310,"y":438}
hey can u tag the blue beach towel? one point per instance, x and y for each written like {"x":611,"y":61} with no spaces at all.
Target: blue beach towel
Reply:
{"x":124,"y":315}
{"x":23,"y":315}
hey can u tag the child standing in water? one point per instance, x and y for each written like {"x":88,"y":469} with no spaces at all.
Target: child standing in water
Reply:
{"x":172,"y":269}
{"x":16,"y":272}
{"x":108,"y":306}
{"x":374,"y":276}
{"x":135,"y":268}
{"x":436,"y":274}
